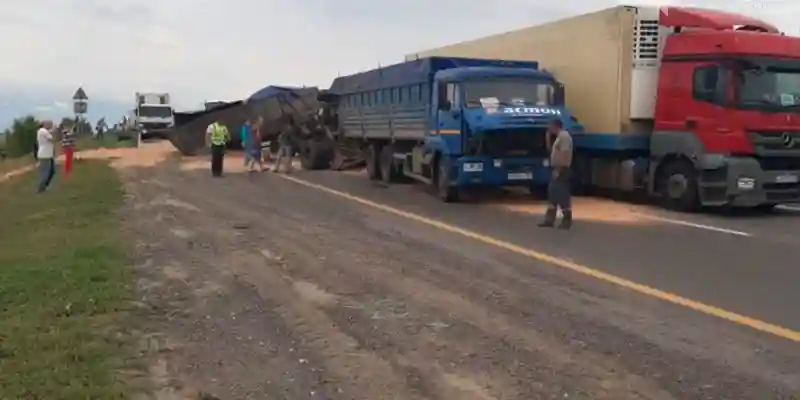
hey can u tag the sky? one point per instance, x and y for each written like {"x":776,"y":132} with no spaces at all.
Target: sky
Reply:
{"x":224,"y":50}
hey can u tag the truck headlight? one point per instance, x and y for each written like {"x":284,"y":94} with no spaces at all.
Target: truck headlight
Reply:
{"x":746,"y":183}
{"x":472,"y":167}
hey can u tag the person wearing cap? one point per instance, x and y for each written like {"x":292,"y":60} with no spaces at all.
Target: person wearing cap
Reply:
{"x":559,"y":143}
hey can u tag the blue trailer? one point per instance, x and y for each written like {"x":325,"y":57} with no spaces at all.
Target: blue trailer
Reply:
{"x":452,"y":123}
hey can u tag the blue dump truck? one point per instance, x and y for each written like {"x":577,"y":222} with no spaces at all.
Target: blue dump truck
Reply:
{"x":452,"y":123}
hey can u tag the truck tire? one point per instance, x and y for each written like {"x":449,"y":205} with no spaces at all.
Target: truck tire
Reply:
{"x":371,"y":159}
{"x":677,"y":186}
{"x":317,"y":154}
{"x":444,"y":190}
{"x":390,"y":173}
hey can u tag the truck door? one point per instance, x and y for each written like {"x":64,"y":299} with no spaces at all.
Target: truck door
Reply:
{"x":448,"y":117}
{"x":709,"y":119}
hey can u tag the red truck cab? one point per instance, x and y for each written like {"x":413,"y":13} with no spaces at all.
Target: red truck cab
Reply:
{"x":727,"y":112}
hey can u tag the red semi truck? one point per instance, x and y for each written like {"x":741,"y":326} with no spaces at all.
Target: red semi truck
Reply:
{"x":698,"y":107}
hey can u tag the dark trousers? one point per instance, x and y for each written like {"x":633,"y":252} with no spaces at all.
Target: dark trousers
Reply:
{"x":217,"y":158}
{"x":558,"y":191}
{"x":47,"y":169}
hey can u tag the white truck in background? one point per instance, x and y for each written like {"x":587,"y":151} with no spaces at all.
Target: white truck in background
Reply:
{"x":153,"y":115}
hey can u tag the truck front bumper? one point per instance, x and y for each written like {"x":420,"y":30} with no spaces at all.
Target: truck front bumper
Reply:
{"x":498,"y":172}
{"x":742,"y":182}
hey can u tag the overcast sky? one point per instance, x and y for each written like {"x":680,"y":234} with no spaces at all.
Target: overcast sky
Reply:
{"x":203,"y":49}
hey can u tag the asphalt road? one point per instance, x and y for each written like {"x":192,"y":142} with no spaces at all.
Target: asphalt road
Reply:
{"x":325,"y":285}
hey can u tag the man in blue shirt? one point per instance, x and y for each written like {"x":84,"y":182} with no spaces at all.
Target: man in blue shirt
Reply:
{"x":246,"y":136}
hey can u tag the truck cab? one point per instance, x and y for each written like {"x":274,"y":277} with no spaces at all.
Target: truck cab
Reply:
{"x":727,"y":111}
{"x":154,"y":114}
{"x":490,"y":124}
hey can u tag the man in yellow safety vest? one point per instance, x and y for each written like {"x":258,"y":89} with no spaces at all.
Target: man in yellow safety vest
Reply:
{"x":217,"y":136}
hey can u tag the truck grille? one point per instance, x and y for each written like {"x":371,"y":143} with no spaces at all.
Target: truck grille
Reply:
{"x":526,"y":142}
{"x":775,"y":143}
{"x":779,"y":163}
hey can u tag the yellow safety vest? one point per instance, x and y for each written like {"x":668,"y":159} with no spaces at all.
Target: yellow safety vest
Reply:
{"x":219,"y":134}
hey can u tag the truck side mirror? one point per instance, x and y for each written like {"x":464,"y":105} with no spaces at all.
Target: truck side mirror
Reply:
{"x":560,"y":95}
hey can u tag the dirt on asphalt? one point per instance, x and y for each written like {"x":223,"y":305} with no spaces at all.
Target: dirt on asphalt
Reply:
{"x":253,"y":287}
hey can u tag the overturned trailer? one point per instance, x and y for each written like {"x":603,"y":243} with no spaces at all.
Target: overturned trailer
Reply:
{"x":297,"y":109}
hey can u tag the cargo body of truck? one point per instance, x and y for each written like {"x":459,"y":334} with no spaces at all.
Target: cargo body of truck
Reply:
{"x":452,"y":123}
{"x":153,"y":115}
{"x":696,"y":107}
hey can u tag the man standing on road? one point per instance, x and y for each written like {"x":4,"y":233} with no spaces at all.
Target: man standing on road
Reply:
{"x":68,"y":145}
{"x":217,"y":137}
{"x":256,"y":153}
{"x":285,"y":143}
{"x":45,"y":153}
{"x":559,"y":143}
{"x":245,"y":135}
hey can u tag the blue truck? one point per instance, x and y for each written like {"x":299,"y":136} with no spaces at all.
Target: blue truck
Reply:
{"x":452,"y":123}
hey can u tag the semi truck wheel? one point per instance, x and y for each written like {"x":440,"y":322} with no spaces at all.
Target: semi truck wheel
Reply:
{"x":389,"y":171}
{"x":371,"y":159}
{"x":447,"y":193}
{"x":678,"y":187}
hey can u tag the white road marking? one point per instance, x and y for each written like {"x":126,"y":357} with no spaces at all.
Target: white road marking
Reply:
{"x":697,"y":226}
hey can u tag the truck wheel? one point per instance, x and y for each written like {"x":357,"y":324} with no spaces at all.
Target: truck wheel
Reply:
{"x":318,"y":154}
{"x":678,"y":187}
{"x":371,"y":158}
{"x":446,"y":193}
{"x":388,"y":167}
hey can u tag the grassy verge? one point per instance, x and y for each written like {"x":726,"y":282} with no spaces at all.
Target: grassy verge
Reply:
{"x":63,"y":283}
{"x":108,"y":142}
{"x":10,"y":164}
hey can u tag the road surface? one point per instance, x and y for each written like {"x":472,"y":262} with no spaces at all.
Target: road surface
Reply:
{"x":322,"y":285}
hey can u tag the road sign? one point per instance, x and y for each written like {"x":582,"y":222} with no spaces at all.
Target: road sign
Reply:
{"x":80,"y":107}
{"x":80,"y":94}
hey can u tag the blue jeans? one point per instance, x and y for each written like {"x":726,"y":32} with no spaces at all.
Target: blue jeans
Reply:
{"x":47,"y":169}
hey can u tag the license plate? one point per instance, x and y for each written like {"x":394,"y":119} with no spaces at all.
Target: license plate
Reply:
{"x":786,"y":178}
{"x":519,"y":176}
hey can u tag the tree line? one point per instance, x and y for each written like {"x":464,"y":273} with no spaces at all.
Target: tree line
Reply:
{"x":20,"y":137}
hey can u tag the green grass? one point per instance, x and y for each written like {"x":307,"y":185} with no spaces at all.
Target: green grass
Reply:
{"x":10,"y":164}
{"x":109,"y":142}
{"x":64,"y":280}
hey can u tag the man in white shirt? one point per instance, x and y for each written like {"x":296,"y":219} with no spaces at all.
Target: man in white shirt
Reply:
{"x":46,"y":155}
{"x":559,"y":143}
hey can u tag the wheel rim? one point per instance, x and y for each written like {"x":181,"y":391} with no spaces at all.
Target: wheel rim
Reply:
{"x":677,"y":185}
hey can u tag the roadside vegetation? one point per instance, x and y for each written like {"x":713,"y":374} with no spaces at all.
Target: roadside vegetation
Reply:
{"x":64,"y":282}
{"x":16,"y":147}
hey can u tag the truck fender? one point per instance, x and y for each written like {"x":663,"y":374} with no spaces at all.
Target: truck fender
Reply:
{"x":669,"y":146}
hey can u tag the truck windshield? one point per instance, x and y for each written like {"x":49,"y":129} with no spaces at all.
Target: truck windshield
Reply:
{"x":508,"y":92}
{"x":768,"y":86}
{"x":155,"y":112}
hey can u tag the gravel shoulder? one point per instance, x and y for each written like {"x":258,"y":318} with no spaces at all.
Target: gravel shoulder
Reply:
{"x":256,"y":287}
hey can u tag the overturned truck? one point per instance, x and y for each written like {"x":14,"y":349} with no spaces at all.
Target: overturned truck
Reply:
{"x":302,"y":111}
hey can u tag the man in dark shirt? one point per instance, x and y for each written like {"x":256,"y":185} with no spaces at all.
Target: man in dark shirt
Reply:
{"x":285,"y":145}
